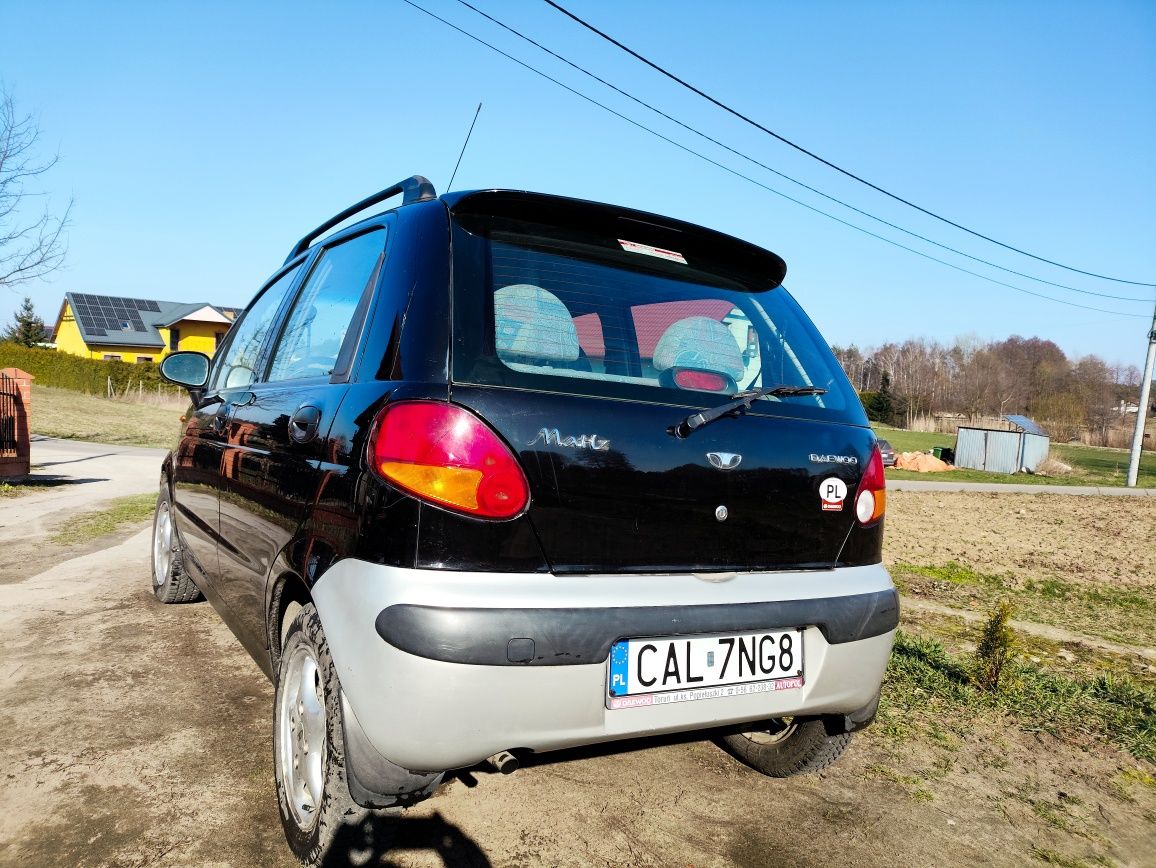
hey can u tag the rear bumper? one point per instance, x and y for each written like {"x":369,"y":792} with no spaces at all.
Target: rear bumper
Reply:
{"x":446,"y":668}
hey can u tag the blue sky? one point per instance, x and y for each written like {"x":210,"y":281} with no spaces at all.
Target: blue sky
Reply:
{"x":200,"y":141}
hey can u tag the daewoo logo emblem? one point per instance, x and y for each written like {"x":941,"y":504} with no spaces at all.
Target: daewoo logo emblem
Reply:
{"x":724,"y":460}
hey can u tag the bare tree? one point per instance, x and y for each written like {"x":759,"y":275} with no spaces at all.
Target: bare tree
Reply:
{"x":32,"y":242}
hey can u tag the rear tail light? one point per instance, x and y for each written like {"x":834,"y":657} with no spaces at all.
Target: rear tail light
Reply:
{"x":446,"y":455}
{"x":871,"y":501}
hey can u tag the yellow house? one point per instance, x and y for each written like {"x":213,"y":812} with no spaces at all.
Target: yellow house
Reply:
{"x":137,"y":329}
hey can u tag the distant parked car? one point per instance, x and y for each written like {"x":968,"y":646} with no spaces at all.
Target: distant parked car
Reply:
{"x":888,"y":453}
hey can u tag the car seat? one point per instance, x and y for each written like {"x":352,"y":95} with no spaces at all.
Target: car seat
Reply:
{"x":533,"y":327}
{"x":701,"y":343}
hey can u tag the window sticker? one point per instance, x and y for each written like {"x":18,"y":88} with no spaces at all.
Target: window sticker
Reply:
{"x":647,"y":250}
{"x":833,"y":491}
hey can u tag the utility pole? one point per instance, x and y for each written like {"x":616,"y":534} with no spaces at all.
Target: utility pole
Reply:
{"x":1142,"y":410}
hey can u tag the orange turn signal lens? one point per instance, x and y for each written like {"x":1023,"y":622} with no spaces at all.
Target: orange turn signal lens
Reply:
{"x":452,"y":486}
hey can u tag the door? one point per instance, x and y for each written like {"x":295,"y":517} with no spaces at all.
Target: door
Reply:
{"x":196,"y":478}
{"x":197,"y":468}
{"x":277,"y":449}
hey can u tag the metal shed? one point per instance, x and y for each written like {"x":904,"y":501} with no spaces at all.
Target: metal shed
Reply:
{"x":1002,"y":451}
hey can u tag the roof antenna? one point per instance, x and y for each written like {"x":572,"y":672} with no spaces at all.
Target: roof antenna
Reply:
{"x":450,"y":185}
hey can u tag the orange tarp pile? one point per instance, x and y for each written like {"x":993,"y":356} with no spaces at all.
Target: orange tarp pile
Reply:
{"x":921,"y":462}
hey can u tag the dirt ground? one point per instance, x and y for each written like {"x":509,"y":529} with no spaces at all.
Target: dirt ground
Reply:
{"x":136,"y":734}
{"x":1098,"y":540}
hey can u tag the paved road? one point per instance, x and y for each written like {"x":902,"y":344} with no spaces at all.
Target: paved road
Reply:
{"x":1007,"y":488}
{"x":71,"y":476}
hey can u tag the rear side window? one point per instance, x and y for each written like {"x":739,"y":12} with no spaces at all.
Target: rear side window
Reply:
{"x":553,"y":312}
{"x":324,"y":308}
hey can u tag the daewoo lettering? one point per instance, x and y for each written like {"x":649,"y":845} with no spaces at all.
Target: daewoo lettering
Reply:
{"x":833,"y":459}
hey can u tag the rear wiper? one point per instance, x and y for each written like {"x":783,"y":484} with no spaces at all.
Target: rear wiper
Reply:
{"x":740,"y":404}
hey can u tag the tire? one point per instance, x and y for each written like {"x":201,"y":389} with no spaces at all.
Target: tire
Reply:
{"x":309,"y":743}
{"x":787,"y":747}
{"x":171,"y":584}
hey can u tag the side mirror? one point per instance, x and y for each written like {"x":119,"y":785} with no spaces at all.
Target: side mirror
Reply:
{"x":187,"y":369}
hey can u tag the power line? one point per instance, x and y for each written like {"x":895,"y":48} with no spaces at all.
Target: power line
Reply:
{"x":828,"y":163}
{"x":773,"y":171}
{"x":751,"y":180}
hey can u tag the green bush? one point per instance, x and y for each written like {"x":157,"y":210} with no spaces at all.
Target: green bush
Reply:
{"x":996,"y":647}
{"x":65,"y":371}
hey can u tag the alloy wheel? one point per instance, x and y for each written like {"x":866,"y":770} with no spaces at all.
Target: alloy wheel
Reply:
{"x":302,"y":736}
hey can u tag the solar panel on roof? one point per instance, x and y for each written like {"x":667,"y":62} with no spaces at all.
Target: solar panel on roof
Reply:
{"x":1026,"y":425}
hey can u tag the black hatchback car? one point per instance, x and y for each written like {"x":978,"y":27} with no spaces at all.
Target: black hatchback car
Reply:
{"x":498,"y":472}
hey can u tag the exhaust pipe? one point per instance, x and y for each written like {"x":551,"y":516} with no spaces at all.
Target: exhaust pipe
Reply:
{"x":504,"y":762}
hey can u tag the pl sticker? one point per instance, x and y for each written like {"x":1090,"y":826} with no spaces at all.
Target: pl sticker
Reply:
{"x":834,"y":492}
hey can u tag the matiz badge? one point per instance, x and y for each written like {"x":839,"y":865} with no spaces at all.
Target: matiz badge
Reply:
{"x":833,"y":491}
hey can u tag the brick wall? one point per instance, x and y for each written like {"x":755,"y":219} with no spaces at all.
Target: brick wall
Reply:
{"x":15,"y":453}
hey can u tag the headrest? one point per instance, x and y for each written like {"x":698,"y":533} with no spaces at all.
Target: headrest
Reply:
{"x":699,"y":342}
{"x":531,"y":323}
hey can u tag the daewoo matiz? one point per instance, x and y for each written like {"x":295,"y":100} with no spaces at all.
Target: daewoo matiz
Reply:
{"x":498,"y":472}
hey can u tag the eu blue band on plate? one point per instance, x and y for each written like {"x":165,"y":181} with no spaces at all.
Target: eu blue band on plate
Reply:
{"x":619,"y":668}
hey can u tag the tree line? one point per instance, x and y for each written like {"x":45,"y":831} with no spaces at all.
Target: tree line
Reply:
{"x":902,"y":382}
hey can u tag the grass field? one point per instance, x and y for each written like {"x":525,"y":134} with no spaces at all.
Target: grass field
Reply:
{"x":85,"y":526}
{"x":1090,"y":465}
{"x":75,"y":416}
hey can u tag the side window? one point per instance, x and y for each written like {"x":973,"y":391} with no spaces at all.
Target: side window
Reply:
{"x":237,"y":366}
{"x":323,"y":311}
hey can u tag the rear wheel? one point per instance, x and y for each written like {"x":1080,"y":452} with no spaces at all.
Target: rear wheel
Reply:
{"x":787,"y":747}
{"x":308,"y":742}
{"x":171,"y":584}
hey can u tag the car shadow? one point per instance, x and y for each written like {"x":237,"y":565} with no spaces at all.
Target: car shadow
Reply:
{"x":51,"y":480}
{"x":74,"y":460}
{"x":527,"y":759}
{"x":375,"y":835}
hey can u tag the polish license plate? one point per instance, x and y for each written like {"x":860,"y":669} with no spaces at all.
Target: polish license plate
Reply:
{"x":686,"y":668}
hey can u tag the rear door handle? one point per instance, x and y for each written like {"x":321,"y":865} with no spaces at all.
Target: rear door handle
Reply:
{"x":304,"y":424}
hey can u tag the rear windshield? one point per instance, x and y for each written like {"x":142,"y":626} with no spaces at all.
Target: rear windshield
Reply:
{"x":547,"y":309}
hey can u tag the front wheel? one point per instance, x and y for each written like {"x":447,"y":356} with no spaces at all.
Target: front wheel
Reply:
{"x":308,"y":742}
{"x":787,"y":747}
{"x":171,"y":583}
